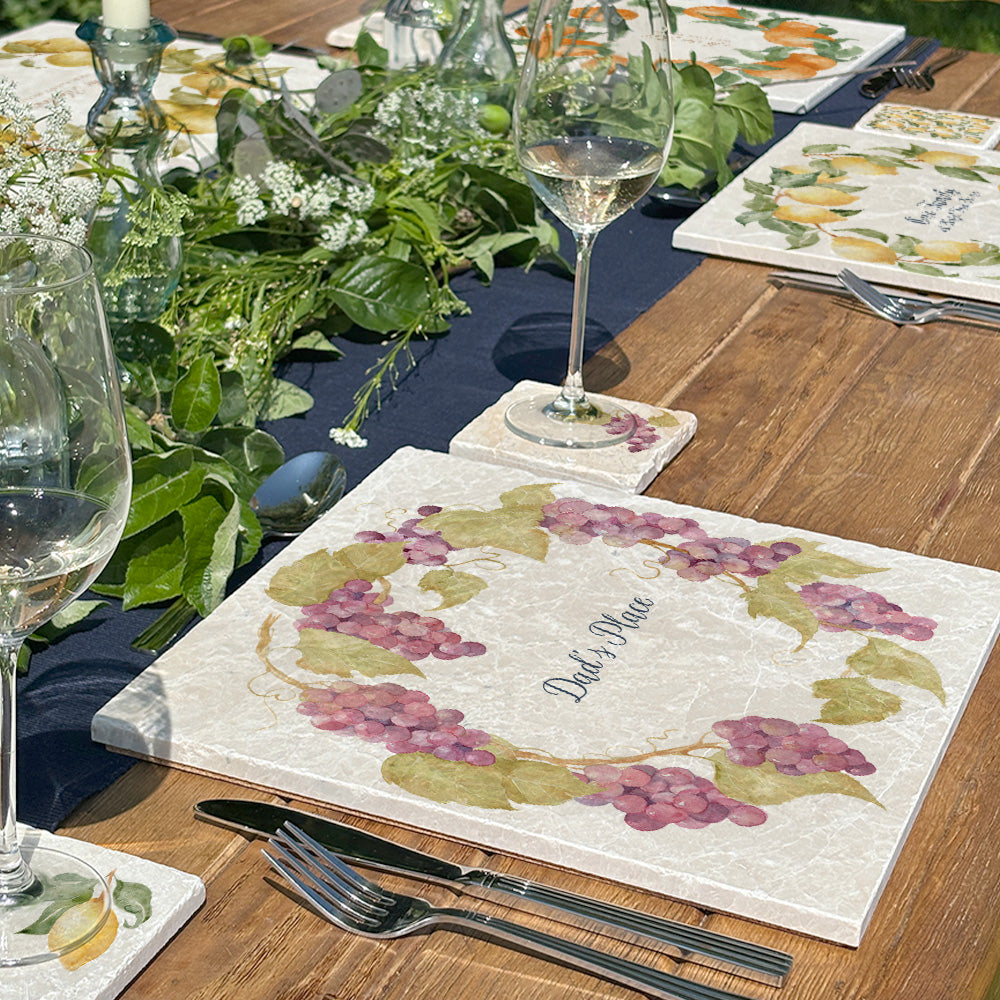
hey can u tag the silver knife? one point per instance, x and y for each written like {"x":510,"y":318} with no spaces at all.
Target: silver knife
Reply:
{"x":680,"y":941}
{"x":815,"y":282}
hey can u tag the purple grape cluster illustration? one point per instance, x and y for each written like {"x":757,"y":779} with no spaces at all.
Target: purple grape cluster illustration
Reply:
{"x":356,"y":610}
{"x":404,"y":720}
{"x":653,"y":798}
{"x":642,"y":439}
{"x":842,"y":606}
{"x":792,"y":748}
{"x":422,"y":546}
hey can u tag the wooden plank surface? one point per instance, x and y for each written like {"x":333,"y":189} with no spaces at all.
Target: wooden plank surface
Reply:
{"x":811,"y":413}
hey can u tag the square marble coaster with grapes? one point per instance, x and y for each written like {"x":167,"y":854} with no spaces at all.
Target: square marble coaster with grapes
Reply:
{"x":630,"y":466}
{"x":149,"y":905}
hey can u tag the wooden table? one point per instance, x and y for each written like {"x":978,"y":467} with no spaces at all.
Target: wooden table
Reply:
{"x":811,"y":413}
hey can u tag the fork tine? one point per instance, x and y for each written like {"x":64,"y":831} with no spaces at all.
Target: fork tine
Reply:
{"x":326,"y":860}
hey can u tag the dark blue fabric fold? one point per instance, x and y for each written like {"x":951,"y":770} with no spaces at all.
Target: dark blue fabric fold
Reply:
{"x":517,"y":329}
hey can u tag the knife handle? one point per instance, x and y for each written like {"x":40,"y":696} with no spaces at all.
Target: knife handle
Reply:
{"x":686,"y":942}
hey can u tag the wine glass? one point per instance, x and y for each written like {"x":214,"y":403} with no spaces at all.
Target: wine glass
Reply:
{"x":65,"y":486}
{"x":593,"y":120}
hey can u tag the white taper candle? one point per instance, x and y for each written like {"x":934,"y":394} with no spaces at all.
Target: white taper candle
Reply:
{"x":125,"y":13}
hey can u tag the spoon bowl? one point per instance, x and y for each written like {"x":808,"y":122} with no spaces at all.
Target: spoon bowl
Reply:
{"x":298,"y":492}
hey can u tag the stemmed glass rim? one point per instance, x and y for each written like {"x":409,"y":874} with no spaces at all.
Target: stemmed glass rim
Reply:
{"x":82,"y":257}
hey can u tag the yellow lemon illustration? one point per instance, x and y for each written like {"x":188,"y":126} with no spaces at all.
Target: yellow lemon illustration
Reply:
{"x":812,"y":215}
{"x":946,"y":158}
{"x":69,"y":59}
{"x":73,"y":924}
{"x":861,"y":165}
{"x":946,"y":251}
{"x":855,"y":248}
{"x":817,"y":195}
{"x":62,"y":45}
{"x":209,"y":84}
{"x":197,"y":118}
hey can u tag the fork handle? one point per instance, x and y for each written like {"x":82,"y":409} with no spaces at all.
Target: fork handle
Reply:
{"x":640,"y":977}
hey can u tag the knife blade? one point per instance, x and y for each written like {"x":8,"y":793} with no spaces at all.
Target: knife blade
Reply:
{"x":882,"y":83}
{"x":679,"y":940}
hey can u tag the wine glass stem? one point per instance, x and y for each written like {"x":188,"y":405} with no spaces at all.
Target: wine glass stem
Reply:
{"x":573,"y":400}
{"x":14,"y":872}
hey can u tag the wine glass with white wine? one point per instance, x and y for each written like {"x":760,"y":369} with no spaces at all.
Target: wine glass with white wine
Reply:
{"x":65,"y":486}
{"x":593,"y":121}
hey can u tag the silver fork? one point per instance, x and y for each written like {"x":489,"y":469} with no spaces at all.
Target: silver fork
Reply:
{"x":360,"y":906}
{"x":899,"y":312}
{"x":922,"y":78}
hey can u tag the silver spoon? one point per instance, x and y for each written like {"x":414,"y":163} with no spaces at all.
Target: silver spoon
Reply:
{"x":298,"y":492}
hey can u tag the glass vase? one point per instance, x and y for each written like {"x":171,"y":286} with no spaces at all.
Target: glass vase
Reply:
{"x":478,"y":58}
{"x":138,"y":268}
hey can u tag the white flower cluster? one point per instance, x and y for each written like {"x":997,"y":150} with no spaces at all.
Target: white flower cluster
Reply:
{"x":347,"y":437}
{"x":336,"y":205}
{"x":41,"y":189}
{"x":424,"y":121}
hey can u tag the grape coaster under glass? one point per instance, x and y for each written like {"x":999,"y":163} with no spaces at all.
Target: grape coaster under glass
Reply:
{"x":593,"y":119}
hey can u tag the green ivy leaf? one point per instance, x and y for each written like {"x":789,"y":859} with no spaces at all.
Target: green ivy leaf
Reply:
{"x":429,"y":777}
{"x":155,"y":564}
{"x":162,"y":484}
{"x":311,"y":579}
{"x":850,"y":701}
{"x":197,"y":395}
{"x":210,"y":526}
{"x":764,"y":785}
{"x":322,"y":652}
{"x":888,"y":661}
{"x":454,"y":586}
{"x":134,"y":898}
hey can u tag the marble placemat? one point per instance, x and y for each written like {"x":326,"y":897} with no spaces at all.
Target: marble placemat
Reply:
{"x":630,"y":466}
{"x":150,"y":904}
{"x":981,"y":131}
{"x":740,"y":715}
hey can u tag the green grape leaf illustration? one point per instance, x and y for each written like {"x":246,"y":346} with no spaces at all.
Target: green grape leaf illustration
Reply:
{"x":886,"y":660}
{"x":134,"y":898}
{"x":454,"y":586}
{"x":812,"y":563}
{"x":513,"y":527}
{"x":773,"y":598}
{"x":764,"y":785}
{"x":537,"y":783}
{"x":311,"y":579}
{"x":664,"y":420}
{"x":849,"y":701}
{"x":62,"y":893}
{"x":430,"y":777}
{"x":322,"y":652}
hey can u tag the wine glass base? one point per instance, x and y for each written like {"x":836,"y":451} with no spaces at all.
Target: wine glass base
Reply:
{"x":544,"y":421}
{"x":25,"y":935}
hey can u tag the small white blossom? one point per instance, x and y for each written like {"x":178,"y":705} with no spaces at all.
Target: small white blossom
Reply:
{"x":348,"y":438}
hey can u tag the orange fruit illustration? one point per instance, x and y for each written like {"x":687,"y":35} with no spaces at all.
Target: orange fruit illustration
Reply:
{"x":797,"y":66}
{"x":711,"y":13}
{"x":855,"y":248}
{"x":794,"y":34}
{"x":596,"y":14}
{"x":73,"y":924}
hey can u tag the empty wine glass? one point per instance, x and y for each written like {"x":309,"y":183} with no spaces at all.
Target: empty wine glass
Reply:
{"x":593,"y":120}
{"x":65,"y":485}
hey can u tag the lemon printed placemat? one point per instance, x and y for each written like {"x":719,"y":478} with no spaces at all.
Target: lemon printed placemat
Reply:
{"x":904,"y":211}
{"x":150,"y":903}
{"x":932,"y":123}
{"x":50,"y":58}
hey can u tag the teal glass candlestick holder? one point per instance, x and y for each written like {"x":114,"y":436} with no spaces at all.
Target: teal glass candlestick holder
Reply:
{"x":138,"y":267}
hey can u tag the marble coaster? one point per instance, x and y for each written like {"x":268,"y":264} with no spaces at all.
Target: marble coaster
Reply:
{"x":980,"y":131}
{"x":631,"y":466}
{"x":150,"y":903}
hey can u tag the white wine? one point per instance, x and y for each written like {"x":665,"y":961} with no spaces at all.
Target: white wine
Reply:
{"x":589,"y":181}
{"x":53,"y":543}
